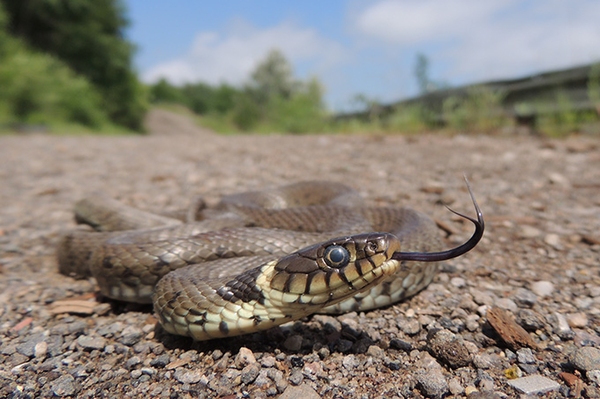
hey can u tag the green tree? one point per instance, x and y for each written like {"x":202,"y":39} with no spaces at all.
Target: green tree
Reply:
{"x":88,"y":36}
{"x":273,"y":78}
{"x":422,"y":73}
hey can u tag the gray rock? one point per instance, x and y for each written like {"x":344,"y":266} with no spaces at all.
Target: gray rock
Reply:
{"x":586,"y":358}
{"x":524,"y":298}
{"x":530,"y":320}
{"x":131,"y":335}
{"x":561,"y":326}
{"x":350,"y":362}
{"x":244,"y":358}
{"x":296,"y":377}
{"x":250,"y":372}
{"x":187,"y":376}
{"x":432,"y":382}
{"x":449,"y":348}
{"x":300,"y":392}
{"x":542,"y":288}
{"x":160,"y":361}
{"x":91,"y":343}
{"x":534,"y":384}
{"x":64,"y":385}
{"x":526,"y":356}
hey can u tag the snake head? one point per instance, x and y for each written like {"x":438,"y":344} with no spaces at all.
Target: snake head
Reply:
{"x":334,"y":270}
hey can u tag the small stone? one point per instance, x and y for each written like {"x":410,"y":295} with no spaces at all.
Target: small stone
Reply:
{"x":296,"y":377}
{"x":244,"y":358}
{"x":41,"y":349}
{"x":594,"y":376}
{"x":64,"y":385}
{"x":455,"y":387}
{"x":91,"y":343}
{"x":375,"y":351}
{"x":411,"y":327}
{"x":534,"y":384}
{"x":268,"y":361}
{"x":135,"y":374}
{"x":458,"y":282}
{"x":293,"y":343}
{"x":187,"y":376}
{"x":131,"y":335}
{"x":561,"y":327}
{"x":300,"y":392}
{"x":524,"y":298}
{"x":542,"y":288}
{"x":558,"y":179}
{"x":449,"y":348}
{"x":400,"y":344}
{"x":508,"y":304}
{"x":249,"y":373}
{"x":160,"y":361}
{"x":487,"y":361}
{"x":586,"y":358}
{"x":350,"y":362}
{"x":432,"y":381}
{"x":553,"y":240}
{"x":530,"y":320}
{"x":529,"y":232}
{"x":132,"y":362}
{"x":526,"y":356}
{"x":577,"y":320}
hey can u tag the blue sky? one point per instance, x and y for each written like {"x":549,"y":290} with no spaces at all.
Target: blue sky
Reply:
{"x":362,"y":46}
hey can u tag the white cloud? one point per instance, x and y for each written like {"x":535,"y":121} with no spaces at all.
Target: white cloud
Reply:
{"x":481,"y":40}
{"x":231,"y":56}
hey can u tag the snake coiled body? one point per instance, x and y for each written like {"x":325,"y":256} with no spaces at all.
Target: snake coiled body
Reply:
{"x":256,"y":260}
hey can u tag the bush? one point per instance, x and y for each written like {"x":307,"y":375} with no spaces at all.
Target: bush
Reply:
{"x":39,"y":89}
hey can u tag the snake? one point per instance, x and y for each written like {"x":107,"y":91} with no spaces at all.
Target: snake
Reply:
{"x":257,"y":259}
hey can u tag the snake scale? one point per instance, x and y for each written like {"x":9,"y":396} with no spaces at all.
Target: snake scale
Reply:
{"x":257,"y":259}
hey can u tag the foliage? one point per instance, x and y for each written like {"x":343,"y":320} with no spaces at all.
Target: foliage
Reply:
{"x":479,"y":110}
{"x":39,"y":89}
{"x":271,"y":101}
{"x":88,"y":37}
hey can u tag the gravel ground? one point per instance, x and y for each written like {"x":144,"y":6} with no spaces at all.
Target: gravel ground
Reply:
{"x":538,"y":260}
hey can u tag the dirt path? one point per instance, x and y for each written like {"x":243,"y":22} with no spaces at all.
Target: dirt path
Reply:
{"x":540,"y":259}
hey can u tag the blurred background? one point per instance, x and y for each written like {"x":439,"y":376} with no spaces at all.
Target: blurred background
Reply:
{"x":500,"y":66}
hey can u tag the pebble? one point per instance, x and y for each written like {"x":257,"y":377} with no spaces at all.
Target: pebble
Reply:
{"x":64,"y":385}
{"x":561,"y":326}
{"x":40,"y":350}
{"x":244,"y":358}
{"x":160,"y":361}
{"x":508,"y":304}
{"x":553,"y":240}
{"x":526,"y":356}
{"x":431,"y":378}
{"x":534,"y":384}
{"x":410,"y":327}
{"x":296,"y":377}
{"x":586,"y":358}
{"x":131,"y":335}
{"x":350,"y":362}
{"x":594,"y":375}
{"x":187,"y":376}
{"x":250,"y":372}
{"x":524,"y":298}
{"x":91,"y":343}
{"x":487,"y":361}
{"x":529,"y":232}
{"x":530,"y":320}
{"x":458,"y":282}
{"x":299,"y":392}
{"x":542,"y":288}
{"x":577,"y":320}
{"x":449,"y":348}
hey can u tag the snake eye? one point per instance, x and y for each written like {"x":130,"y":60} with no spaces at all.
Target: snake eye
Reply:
{"x":336,"y":256}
